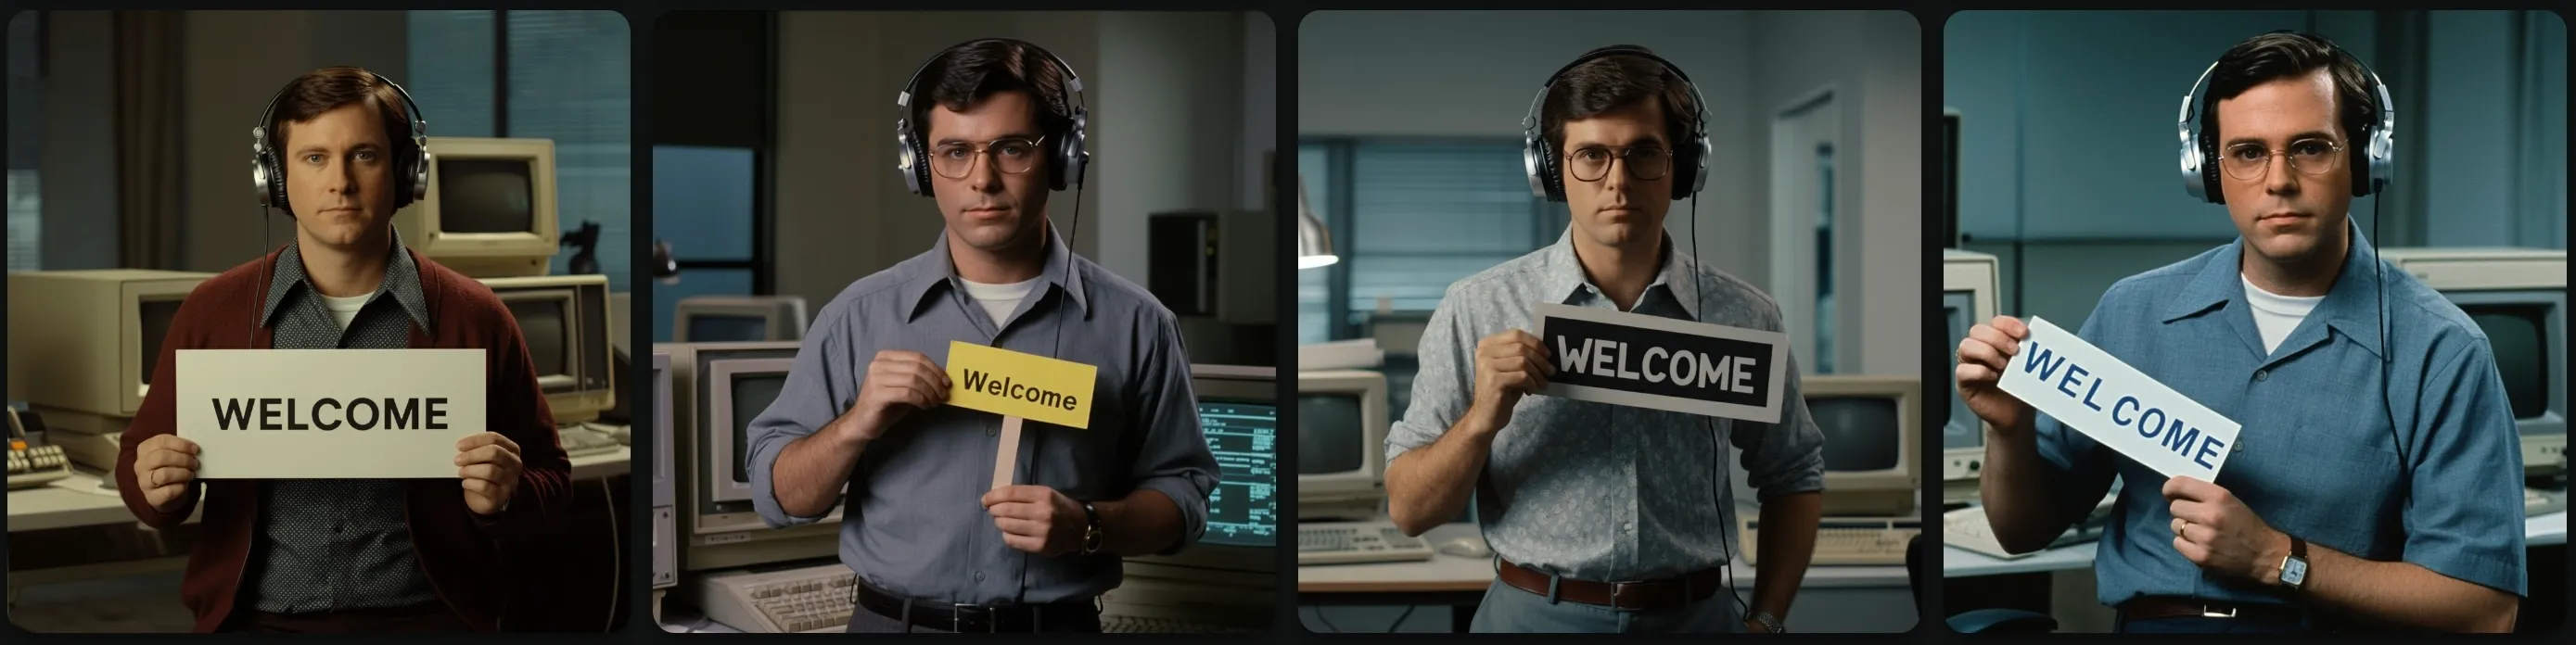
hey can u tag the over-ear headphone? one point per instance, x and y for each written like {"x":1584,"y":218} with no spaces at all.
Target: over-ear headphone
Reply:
{"x":1066,"y":158}
{"x":1538,"y":159}
{"x":268,"y":174}
{"x":2374,"y":161}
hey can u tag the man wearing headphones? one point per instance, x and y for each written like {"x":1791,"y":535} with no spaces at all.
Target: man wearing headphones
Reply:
{"x":340,"y":149}
{"x":1596,"y":511}
{"x":990,"y":126}
{"x":2373,"y":481}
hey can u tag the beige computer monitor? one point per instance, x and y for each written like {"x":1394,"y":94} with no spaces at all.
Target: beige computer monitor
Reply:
{"x":86,"y":341}
{"x":565,"y":322}
{"x":1335,"y":409}
{"x":2518,"y":297}
{"x":726,"y":318}
{"x":1968,"y":298}
{"x":1872,"y":420}
{"x":717,"y":525}
{"x":490,"y":211}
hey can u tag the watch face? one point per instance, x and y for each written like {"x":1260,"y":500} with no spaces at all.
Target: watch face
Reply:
{"x":2294,"y":571}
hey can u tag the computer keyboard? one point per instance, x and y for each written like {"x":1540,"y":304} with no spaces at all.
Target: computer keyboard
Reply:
{"x":32,"y":466}
{"x":1848,"y":540}
{"x":2540,"y":502}
{"x":1967,"y":528}
{"x":579,"y":440}
{"x":815,"y":599}
{"x":1358,"y":542}
{"x":1119,"y":624}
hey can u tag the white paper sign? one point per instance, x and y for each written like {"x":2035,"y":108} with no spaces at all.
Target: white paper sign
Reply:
{"x":2088,"y":390}
{"x":329,"y":413}
{"x":1662,"y":363}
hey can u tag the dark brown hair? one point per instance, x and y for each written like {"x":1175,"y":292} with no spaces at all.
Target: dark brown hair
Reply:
{"x":326,"y":89}
{"x":967,"y":74}
{"x":1613,"y":83}
{"x":2279,"y":55}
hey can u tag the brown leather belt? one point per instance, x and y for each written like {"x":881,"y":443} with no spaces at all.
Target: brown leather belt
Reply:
{"x":2153,"y":607}
{"x":1628,"y":596}
{"x":978,"y":618}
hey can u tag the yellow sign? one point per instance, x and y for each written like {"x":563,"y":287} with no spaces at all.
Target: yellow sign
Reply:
{"x":1013,"y":384}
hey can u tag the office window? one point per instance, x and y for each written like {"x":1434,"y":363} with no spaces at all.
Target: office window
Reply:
{"x":709,"y":221}
{"x":26,"y":139}
{"x":1420,"y":216}
{"x":559,"y":75}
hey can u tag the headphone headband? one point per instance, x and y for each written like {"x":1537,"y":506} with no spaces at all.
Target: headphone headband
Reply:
{"x":269,"y":178}
{"x":1538,"y":159}
{"x":1068,"y":156}
{"x":2376,"y":149}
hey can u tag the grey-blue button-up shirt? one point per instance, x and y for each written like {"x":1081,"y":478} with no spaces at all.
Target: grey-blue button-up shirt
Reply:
{"x":1596,"y":491}
{"x":2316,"y":457}
{"x":913,"y":522}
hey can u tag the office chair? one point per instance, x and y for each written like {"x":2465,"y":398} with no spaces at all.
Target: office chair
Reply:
{"x":1920,"y":575}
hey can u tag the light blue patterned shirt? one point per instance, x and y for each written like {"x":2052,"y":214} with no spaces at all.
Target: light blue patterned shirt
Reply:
{"x":1595,"y":491}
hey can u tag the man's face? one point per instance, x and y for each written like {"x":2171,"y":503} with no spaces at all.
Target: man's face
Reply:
{"x":987,"y":208}
{"x":1616,"y":209}
{"x":339,"y":176}
{"x":2285,"y":214}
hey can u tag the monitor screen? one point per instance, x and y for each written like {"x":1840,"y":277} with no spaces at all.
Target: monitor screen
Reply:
{"x":156,"y":315}
{"x":1963,"y":431}
{"x":1860,"y":432}
{"x":752,"y":394}
{"x":2518,"y":333}
{"x":1329,"y":432}
{"x":485,"y":196}
{"x":727,"y":328}
{"x":1244,"y":510}
{"x":541,"y":322}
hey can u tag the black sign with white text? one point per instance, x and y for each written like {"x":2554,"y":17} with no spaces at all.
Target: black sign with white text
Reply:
{"x":1663,"y":363}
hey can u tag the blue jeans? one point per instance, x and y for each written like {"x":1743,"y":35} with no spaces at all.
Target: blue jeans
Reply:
{"x":1509,"y":609}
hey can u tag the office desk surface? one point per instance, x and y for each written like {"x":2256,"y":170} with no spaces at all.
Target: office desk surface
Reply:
{"x":78,"y":501}
{"x":1445,"y":573}
{"x":2541,"y":530}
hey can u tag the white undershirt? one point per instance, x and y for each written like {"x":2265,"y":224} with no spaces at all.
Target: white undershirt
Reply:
{"x":344,"y":310}
{"x":999,"y":300}
{"x":2276,"y":315}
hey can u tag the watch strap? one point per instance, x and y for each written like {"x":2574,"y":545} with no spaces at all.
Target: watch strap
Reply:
{"x":1091,"y":533}
{"x":1769,"y":622}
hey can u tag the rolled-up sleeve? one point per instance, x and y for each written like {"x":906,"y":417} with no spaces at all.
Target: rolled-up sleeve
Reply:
{"x":1787,"y":457}
{"x":1173,"y":458}
{"x":818,"y":389}
{"x":2461,"y":519}
{"x":1442,"y":382}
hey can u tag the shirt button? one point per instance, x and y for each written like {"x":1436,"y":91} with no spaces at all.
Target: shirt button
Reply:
{"x":992,"y":432}
{"x":2262,"y":374}
{"x":979,"y":576}
{"x":1627,"y":526}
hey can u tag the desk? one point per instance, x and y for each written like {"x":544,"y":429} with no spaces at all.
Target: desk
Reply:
{"x":73,"y":501}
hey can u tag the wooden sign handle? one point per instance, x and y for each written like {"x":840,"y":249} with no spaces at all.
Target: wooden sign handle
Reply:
{"x":1006,"y":462}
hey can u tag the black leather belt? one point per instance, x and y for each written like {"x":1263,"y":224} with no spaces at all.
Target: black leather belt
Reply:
{"x":975,"y":618}
{"x":2154,"y":607}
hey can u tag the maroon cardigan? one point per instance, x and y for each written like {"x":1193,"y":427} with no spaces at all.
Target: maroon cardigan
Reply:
{"x":461,"y":552}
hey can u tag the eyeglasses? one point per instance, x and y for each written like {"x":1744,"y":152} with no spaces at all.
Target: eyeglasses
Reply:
{"x":2251,"y":161}
{"x":1013,"y":155}
{"x":1644,"y":163}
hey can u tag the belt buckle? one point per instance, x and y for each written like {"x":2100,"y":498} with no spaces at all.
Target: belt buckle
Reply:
{"x":957,"y":617}
{"x":2206,"y":612}
{"x":1618,"y":592}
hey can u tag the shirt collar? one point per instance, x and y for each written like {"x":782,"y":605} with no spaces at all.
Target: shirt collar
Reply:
{"x":941,"y":270}
{"x":402,"y":280}
{"x":1563,"y":275}
{"x":2351,"y":306}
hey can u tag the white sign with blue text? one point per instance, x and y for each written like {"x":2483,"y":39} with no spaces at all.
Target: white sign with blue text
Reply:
{"x":2085,"y":388}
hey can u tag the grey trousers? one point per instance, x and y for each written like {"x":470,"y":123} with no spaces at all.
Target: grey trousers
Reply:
{"x":1508,"y":609}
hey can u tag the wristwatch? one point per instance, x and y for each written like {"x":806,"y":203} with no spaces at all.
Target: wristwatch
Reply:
{"x":2294,"y":567}
{"x":1769,"y":622}
{"x":1090,"y":529}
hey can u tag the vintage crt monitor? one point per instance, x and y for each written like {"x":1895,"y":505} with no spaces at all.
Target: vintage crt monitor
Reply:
{"x":1968,"y":296}
{"x":1872,"y":428}
{"x":717,"y":389}
{"x":565,"y":321}
{"x":666,"y":548}
{"x":2519,"y":297}
{"x":1341,"y":444}
{"x":738,"y":319}
{"x":83,"y":346}
{"x":490,"y":211}
{"x":1230,"y":575}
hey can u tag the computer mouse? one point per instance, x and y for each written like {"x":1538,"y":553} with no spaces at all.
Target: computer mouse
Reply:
{"x":1467,"y":547}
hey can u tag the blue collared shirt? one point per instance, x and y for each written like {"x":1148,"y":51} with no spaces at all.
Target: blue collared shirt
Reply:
{"x":1596,"y":491}
{"x":2317,"y":457}
{"x":912,"y":518}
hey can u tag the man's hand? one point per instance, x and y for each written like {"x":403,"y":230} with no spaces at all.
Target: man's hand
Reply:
{"x":1982,"y":356}
{"x":1036,"y":519}
{"x":2215,"y":530}
{"x":897,"y":382}
{"x":166,"y":466}
{"x":1509,"y":364}
{"x":488,"y":465}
